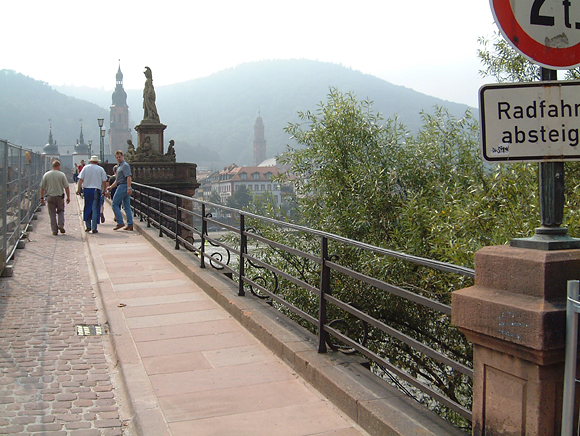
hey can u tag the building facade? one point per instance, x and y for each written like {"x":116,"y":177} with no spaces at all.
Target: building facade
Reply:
{"x":257,"y":180}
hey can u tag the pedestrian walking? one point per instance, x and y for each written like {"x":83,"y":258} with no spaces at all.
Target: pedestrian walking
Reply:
{"x":112,"y":179}
{"x":93,"y":182}
{"x":80,"y":167}
{"x":76,"y":173}
{"x":52,"y":188}
{"x":123,"y":193}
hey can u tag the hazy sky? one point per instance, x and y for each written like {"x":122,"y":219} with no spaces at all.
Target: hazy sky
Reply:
{"x":426,"y":45}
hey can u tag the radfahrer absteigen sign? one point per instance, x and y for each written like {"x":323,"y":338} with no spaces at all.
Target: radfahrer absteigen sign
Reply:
{"x":535,"y":121}
{"x":530,"y":121}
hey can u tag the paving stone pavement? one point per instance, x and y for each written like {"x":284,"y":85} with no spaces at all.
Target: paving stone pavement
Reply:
{"x":53,"y":381}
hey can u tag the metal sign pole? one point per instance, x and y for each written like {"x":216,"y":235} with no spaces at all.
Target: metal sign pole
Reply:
{"x":551,"y":182}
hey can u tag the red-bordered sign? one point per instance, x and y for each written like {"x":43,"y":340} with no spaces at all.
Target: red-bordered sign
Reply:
{"x":545,"y":31}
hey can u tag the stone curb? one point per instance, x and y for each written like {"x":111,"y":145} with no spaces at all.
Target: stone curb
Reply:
{"x":369,"y":401}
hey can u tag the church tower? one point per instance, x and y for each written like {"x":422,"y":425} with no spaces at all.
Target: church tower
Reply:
{"x":81,"y":150}
{"x":119,"y":131}
{"x":50,"y":151}
{"x":259,"y":141}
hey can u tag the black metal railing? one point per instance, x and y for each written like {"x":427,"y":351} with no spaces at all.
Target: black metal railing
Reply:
{"x":355,"y":296}
{"x":21,"y":172}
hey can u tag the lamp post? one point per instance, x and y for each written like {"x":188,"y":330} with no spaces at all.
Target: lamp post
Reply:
{"x":90,"y":148}
{"x":102,"y":137}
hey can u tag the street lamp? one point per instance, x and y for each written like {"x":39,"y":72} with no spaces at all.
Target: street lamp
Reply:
{"x":102,"y":136}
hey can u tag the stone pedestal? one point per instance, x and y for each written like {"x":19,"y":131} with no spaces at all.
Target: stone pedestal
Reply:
{"x":153,"y":130}
{"x":515,"y":315}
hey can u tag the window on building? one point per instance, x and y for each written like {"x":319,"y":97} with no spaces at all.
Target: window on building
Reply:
{"x":269,"y":187}
{"x":263,"y":187}
{"x":243,"y":176}
{"x":256,"y":188}
{"x":256,"y":176}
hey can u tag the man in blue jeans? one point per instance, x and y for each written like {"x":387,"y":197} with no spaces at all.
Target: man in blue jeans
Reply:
{"x":122,"y":194}
{"x":93,"y":182}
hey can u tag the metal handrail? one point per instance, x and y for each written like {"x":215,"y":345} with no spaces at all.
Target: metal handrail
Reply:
{"x":173,"y":207}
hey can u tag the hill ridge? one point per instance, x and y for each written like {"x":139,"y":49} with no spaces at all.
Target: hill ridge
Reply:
{"x":211,"y":118}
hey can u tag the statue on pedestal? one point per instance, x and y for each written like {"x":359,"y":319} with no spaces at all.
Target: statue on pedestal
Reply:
{"x":150,"y":132}
{"x":149,"y":107}
{"x":171,"y":150}
{"x":130,"y":154}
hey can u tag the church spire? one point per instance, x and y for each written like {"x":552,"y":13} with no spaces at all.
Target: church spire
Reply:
{"x":81,"y":138}
{"x":119,"y":75}
{"x":81,"y":147}
{"x":50,"y":139}
{"x":119,"y":95}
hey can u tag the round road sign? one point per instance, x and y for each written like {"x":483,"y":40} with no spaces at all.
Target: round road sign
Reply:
{"x":545,"y":31}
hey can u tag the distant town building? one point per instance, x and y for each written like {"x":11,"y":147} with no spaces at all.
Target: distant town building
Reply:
{"x":257,"y":180}
{"x":119,"y":131}
{"x":259,"y":142}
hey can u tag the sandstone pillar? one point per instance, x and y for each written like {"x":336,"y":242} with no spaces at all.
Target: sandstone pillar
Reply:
{"x":152,"y":130}
{"x":515,"y":315}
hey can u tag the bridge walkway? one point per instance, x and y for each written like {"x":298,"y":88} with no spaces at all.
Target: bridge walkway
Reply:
{"x":177,"y":363}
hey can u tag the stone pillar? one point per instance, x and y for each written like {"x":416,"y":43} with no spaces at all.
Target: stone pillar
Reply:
{"x":153,"y":130}
{"x":515,"y":315}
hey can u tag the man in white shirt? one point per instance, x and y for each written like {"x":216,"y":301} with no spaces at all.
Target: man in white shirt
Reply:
{"x":93,"y":182}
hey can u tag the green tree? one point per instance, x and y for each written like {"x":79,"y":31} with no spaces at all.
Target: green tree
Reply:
{"x":264,"y":204}
{"x":431,"y":195}
{"x":240,"y":199}
{"x":346,"y":178}
{"x":503,"y":63}
{"x":215,"y":198}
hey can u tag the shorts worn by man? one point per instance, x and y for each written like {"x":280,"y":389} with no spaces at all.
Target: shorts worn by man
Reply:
{"x":52,"y":188}
{"x":123,"y":193}
{"x":93,"y":181}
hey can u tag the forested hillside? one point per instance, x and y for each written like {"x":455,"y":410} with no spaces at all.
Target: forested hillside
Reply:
{"x":27,"y":105}
{"x":211,"y":119}
{"x":218,"y":112}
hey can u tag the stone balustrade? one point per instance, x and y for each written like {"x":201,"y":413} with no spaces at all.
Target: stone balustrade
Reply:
{"x":171,"y":176}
